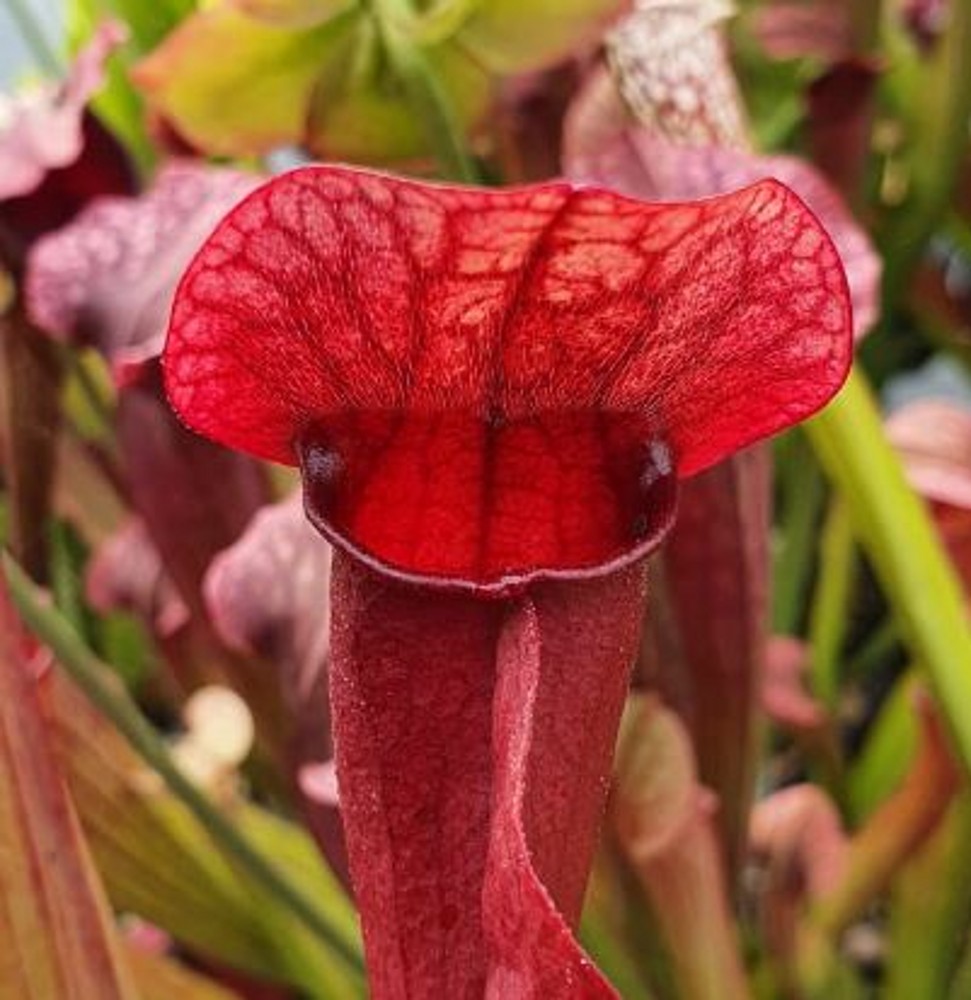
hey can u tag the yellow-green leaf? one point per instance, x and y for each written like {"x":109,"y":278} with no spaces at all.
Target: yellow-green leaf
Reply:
{"x":523,"y":36}
{"x":160,"y":978}
{"x":235,"y":86}
{"x":362,"y":110}
{"x":294,"y":13}
{"x":57,"y":934}
{"x":158,"y":862}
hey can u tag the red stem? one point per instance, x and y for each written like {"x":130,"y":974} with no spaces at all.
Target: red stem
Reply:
{"x":473,"y":742}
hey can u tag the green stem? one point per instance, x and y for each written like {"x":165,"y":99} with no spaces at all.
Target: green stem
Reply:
{"x":803,"y":492}
{"x":890,"y":743}
{"x":875,"y":650}
{"x":91,"y":392}
{"x":40,"y":48}
{"x":894,"y":527}
{"x":834,"y":589}
{"x":95,"y":680}
{"x":428,"y":97}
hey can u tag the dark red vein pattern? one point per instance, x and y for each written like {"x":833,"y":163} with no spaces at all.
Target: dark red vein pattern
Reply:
{"x":488,"y":387}
{"x":512,"y":369}
{"x":636,"y":162}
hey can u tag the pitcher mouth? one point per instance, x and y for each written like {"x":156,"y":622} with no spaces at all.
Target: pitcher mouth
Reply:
{"x":455,"y":502}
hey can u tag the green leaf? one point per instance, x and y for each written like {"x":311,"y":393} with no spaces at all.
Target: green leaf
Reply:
{"x":894,"y":527}
{"x":58,"y":936}
{"x":829,"y":620}
{"x":294,"y":13}
{"x":149,"y":20}
{"x":354,"y":88}
{"x":67,"y":585}
{"x":802,"y":492}
{"x":436,"y":24}
{"x":234,"y":86}
{"x":610,"y":955}
{"x":124,"y":643}
{"x":160,"y":978}
{"x":117,"y":104}
{"x":889,"y":746}
{"x":285,"y":897}
{"x":526,"y":36}
{"x":381,"y":99}
{"x":774,"y":89}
